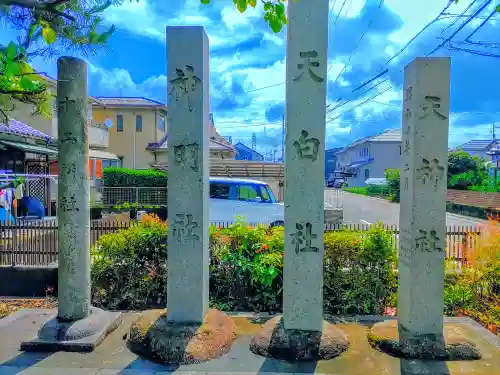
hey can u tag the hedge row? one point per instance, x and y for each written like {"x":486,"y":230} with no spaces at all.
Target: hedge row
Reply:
{"x":123,"y":177}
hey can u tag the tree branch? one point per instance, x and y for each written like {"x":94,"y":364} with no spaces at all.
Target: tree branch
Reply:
{"x":22,"y":92}
{"x":47,"y":6}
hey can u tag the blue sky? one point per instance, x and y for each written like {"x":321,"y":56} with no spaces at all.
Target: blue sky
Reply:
{"x":246,"y":56}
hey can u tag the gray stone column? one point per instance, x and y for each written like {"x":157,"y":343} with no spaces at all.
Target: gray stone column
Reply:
{"x":305,"y":164}
{"x":188,"y":107}
{"x":423,"y":203}
{"x":73,"y":190}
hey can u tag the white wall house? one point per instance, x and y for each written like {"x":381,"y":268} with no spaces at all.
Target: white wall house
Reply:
{"x":369,"y":157}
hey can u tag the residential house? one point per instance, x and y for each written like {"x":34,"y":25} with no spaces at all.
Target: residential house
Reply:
{"x":25,"y":150}
{"x":331,"y":162}
{"x":369,"y":157}
{"x":219,"y":147}
{"x":480,"y":148}
{"x":133,"y":123}
{"x":243,"y":152}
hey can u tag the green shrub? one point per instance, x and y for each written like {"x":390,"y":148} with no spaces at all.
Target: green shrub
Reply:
{"x":393,"y":184}
{"x":123,"y":177}
{"x":465,"y":180}
{"x":378,"y":190}
{"x":362,"y":190}
{"x":129,"y":268}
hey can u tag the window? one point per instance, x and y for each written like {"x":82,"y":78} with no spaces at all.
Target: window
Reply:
{"x":219,"y":191}
{"x":138,"y":123}
{"x":367,"y":174}
{"x":120,"y":162}
{"x":106,"y":163}
{"x":119,"y":123}
{"x":161,"y":123}
{"x":265,"y":195}
{"x":247,"y":193}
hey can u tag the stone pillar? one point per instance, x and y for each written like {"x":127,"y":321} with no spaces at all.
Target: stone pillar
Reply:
{"x":422,"y":217}
{"x":73,"y":190}
{"x":306,"y":73}
{"x":188,"y":157}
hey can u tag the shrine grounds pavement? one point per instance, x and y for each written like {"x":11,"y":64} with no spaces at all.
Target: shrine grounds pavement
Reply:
{"x":113,"y":357}
{"x":360,"y":209}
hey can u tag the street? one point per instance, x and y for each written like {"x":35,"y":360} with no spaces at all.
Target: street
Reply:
{"x":360,"y":209}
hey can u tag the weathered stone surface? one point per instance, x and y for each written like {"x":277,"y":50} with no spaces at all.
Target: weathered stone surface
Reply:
{"x":82,"y":335}
{"x":423,"y":202}
{"x":306,"y":77}
{"x":157,"y":338}
{"x":188,"y":116}
{"x":73,"y":190}
{"x":275,"y":341}
{"x":457,"y":346}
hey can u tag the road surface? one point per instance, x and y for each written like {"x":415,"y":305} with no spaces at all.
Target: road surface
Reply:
{"x":359,"y":209}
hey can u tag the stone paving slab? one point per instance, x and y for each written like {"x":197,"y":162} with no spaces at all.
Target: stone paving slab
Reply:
{"x":113,"y":357}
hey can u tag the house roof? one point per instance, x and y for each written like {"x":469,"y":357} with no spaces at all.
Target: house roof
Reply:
{"x":478,"y":144}
{"x":129,"y":102}
{"x":214,"y":145}
{"x":19,"y":128}
{"x":390,"y":135}
{"x":243,"y":146}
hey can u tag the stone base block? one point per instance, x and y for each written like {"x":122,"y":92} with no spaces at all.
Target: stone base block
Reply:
{"x":156,"y":338}
{"x":384,"y":336}
{"x":82,"y":335}
{"x":274,"y":341}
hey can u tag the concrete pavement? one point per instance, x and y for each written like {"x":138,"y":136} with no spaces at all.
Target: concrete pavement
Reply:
{"x":360,"y":209}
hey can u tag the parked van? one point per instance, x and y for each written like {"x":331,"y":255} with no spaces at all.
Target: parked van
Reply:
{"x":250,"y":199}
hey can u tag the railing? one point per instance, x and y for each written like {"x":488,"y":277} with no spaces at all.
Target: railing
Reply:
{"x":139,"y":196}
{"x":36,"y":243}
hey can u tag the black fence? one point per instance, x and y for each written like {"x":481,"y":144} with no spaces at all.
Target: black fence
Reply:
{"x":35,"y":243}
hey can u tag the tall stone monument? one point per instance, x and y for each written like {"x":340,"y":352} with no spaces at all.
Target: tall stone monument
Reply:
{"x":188,"y":103}
{"x":306,"y":79}
{"x":422,"y":217}
{"x":77,"y":326}
{"x":301,"y":334}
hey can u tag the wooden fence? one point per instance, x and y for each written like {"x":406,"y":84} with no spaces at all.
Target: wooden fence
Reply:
{"x":35,"y":243}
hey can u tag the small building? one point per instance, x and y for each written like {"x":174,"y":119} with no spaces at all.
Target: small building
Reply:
{"x":369,"y":157}
{"x":480,"y":148}
{"x":220,"y":148}
{"x":23,"y":151}
{"x":243,"y":152}
{"x":331,"y":162}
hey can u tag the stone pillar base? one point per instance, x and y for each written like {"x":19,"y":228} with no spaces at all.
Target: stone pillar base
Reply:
{"x":153,"y":336}
{"x":274,"y":341}
{"x":82,"y":335}
{"x":454,"y":345}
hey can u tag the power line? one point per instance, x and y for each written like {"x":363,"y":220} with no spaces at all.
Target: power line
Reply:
{"x":359,"y":41}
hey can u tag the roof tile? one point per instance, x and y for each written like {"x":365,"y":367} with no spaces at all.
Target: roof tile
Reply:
{"x":19,"y":128}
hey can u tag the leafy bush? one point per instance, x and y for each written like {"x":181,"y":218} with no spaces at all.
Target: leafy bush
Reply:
{"x":378,"y":190}
{"x":129,"y":268}
{"x":392,"y":176}
{"x":362,"y":190}
{"x":123,"y":177}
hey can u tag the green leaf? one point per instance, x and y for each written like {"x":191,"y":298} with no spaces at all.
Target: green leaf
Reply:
{"x":28,"y":84}
{"x":497,"y":9}
{"x":268,"y":6}
{"x":48,"y":34}
{"x":242,"y":5}
{"x":11,"y":51}
{"x":32,"y":29}
{"x":279,"y":9}
{"x":12,"y":69}
{"x":206,"y":2}
{"x":252,"y":3}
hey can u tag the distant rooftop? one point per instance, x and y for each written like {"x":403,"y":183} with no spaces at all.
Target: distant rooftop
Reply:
{"x":19,"y":128}
{"x":129,"y":102}
{"x":390,"y":135}
{"x":478,"y":144}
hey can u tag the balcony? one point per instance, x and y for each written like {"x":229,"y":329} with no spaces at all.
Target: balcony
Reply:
{"x":98,"y":135}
